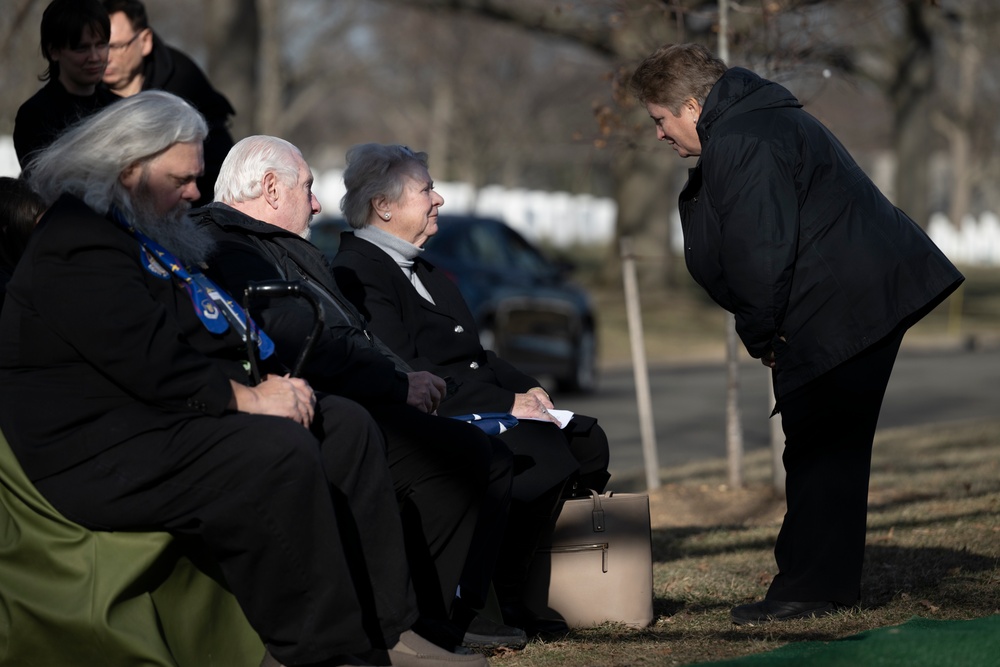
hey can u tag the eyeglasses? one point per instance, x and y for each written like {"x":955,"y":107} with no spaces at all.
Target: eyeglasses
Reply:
{"x":124,"y":45}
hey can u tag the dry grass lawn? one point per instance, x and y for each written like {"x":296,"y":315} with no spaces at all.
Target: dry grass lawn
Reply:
{"x":933,"y":551}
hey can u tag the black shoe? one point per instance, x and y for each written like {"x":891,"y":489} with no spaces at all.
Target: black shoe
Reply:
{"x":766,"y":611}
{"x":518,"y":615}
{"x":482,"y":634}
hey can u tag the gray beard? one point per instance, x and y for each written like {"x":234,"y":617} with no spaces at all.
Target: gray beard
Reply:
{"x":175,"y":230}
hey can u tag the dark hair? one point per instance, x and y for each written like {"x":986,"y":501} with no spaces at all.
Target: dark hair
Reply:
{"x":675,"y":73}
{"x":133,"y":10}
{"x":19,"y":210}
{"x":63,"y":22}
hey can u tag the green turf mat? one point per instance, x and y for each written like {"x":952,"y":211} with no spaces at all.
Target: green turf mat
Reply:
{"x":920,"y":642}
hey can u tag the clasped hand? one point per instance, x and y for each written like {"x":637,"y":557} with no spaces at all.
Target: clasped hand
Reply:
{"x":279,"y":396}
{"x":425,"y":391}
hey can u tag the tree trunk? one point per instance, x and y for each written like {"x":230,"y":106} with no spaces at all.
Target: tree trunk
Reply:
{"x":271,"y":84}
{"x":734,"y":421}
{"x":957,"y":121}
{"x":646,"y":192}
{"x":233,"y":48}
{"x":910,"y":94}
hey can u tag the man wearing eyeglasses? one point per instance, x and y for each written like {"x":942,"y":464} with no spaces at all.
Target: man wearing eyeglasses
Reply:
{"x":139,"y":60}
{"x":74,"y":41}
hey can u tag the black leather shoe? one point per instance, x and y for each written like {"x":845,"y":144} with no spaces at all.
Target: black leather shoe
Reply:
{"x":767,"y":611}
{"x":520,"y":616}
{"x":483,"y":634}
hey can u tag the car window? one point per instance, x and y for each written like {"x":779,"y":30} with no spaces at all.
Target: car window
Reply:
{"x":483,"y":247}
{"x":325,"y":235}
{"x":491,"y":246}
{"x":522,"y":256}
{"x":454,"y":243}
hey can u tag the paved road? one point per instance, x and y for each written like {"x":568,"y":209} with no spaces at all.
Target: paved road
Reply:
{"x":689,"y":403}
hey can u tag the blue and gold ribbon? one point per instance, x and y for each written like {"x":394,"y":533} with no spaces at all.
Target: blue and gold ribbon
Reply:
{"x":216,"y":309}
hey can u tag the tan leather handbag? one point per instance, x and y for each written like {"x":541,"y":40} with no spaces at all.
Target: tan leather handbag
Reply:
{"x":598,"y":566}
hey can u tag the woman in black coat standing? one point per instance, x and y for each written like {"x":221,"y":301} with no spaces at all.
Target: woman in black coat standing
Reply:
{"x":824,"y":275}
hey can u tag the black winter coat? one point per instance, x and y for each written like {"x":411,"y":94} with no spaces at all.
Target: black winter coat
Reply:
{"x":347,"y":359}
{"x":96,"y":348}
{"x":44,"y":116}
{"x":440,"y":338}
{"x":783,"y":229}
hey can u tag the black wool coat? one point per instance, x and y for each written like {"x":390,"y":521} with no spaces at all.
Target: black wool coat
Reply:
{"x":97,"y":348}
{"x":346,"y":359}
{"x":784,"y":229}
{"x":47,"y":113}
{"x":439,"y":337}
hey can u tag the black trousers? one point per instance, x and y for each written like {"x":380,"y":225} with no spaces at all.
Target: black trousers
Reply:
{"x":549,"y":464}
{"x":547,"y":457}
{"x":453,"y":483}
{"x":829,"y":427}
{"x":304,"y":525}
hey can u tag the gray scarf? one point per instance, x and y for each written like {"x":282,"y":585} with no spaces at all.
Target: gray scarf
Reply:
{"x":402,"y":252}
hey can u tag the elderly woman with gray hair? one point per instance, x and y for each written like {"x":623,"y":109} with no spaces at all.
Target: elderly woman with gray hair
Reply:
{"x":419,"y":312}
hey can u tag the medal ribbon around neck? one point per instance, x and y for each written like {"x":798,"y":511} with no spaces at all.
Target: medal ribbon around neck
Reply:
{"x":209,"y":300}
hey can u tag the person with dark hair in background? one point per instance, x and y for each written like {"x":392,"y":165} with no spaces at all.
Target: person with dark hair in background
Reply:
{"x":20,"y":209}
{"x":824,"y":275}
{"x":74,"y":41}
{"x":133,"y":400}
{"x":420,"y":314}
{"x":140,"y":60}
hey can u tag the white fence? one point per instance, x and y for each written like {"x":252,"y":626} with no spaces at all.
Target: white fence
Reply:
{"x":975,"y":242}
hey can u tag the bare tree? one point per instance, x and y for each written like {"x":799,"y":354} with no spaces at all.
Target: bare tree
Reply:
{"x":22,"y":57}
{"x":644,"y":184}
{"x":233,"y":47}
{"x":528,"y":93}
{"x":966,"y":120}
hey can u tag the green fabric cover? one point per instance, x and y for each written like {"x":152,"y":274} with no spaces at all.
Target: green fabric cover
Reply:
{"x":920,"y":642}
{"x":70,"y":596}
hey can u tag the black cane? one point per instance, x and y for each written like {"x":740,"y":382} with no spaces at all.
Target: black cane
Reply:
{"x":276,"y":289}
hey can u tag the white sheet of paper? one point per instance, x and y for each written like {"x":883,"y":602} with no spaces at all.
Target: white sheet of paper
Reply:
{"x":562,"y":415}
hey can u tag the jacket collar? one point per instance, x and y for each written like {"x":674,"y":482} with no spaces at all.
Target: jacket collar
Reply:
{"x":229,"y":218}
{"x":737,"y":91}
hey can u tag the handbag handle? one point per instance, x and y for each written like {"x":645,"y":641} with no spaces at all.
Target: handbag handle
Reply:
{"x":598,"y":514}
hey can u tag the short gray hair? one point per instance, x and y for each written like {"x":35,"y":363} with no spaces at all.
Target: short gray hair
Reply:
{"x":375,"y":170}
{"x":249,"y":161}
{"x":675,"y":73}
{"x":90,"y":157}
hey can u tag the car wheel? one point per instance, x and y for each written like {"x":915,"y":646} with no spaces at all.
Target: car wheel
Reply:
{"x":584,"y":376}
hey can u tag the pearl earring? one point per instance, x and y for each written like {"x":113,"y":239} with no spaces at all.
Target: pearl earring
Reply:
{"x":386,"y":216}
